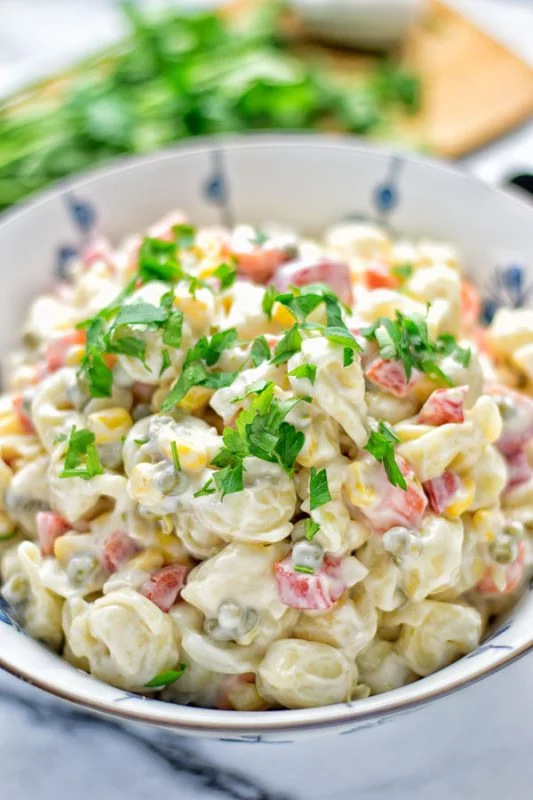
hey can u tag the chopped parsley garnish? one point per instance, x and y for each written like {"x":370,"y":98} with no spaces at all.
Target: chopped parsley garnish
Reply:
{"x":158,"y":261}
{"x":300,"y":305}
{"x":348,"y":357}
{"x":184,"y":235}
{"x":311,"y":529}
{"x":81,"y":460}
{"x":287,"y":346}
{"x":402,"y":271}
{"x":61,"y":437}
{"x":305,"y":371}
{"x":269,"y":299}
{"x":206,"y":489}
{"x":230,"y":479}
{"x":194,"y":373}
{"x":380,"y":445}
{"x":175,"y":456}
{"x":166,"y":678}
{"x":260,"y":351}
{"x":253,"y":388}
{"x":318,"y":488}
{"x":406,"y":339}
{"x":305,"y":570}
{"x":226,"y":274}
{"x":140,"y":442}
{"x":5,"y":537}
{"x":165,"y":361}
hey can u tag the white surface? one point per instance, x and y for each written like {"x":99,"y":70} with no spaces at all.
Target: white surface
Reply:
{"x":474,"y":744}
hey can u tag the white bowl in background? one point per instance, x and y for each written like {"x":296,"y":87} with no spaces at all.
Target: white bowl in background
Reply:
{"x":309,"y":182}
{"x":375,"y":24}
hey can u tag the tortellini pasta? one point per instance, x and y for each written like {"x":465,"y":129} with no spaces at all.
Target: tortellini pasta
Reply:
{"x":246,"y":470}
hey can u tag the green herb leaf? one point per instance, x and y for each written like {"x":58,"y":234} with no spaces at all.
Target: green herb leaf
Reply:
{"x":207,"y":488}
{"x":253,"y":388}
{"x":230,"y":479}
{"x":184,"y":236}
{"x":226,"y":274}
{"x":348,"y":357}
{"x":305,"y":371}
{"x":287,"y":346}
{"x":318,"y":488}
{"x":380,"y":445}
{"x":224,"y":340}
{"x":311,"y":529}
{"x":5,"y":537}
{"x":305,"y":570}
{"x":166,"y":678}
{"x":140,"y":442}
{"x":158,"y":261}
{"x":260,"y":351}
{"x":289,"y":444}
{"x":81,"y":459}
{"x":165,"y":361}
{"x":269,"y":299}
{"x":140,"y":313}
{"x":402,"y":271}
{"x":192,"y":375}
{"x":175,"y":456}
{"x":173,"y":329}
{"x":128,"y":346}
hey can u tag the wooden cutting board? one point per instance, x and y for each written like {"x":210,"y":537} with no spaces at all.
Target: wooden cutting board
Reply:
{"x":474,"y":88}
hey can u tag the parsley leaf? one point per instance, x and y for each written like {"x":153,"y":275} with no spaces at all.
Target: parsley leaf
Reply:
{"x":304,"y":569}
{"x":81,"y":459}
{"x":381,"y":445}
{"x":318,"y":488}
{"x":165,"y":361}
{"x":166,"y":678}
{"x":226,"y":274}
{"x":253,"y":388}
{"x":290,"y":442}
{"x":140,"y":313}
{"x":217,"y":344}
{"x":206,"y":489}
{"x":348,"y":357}
{"x":173,"y":329}
{"x":305,"y":371}
{"x":230,"y":479}
{"x":268,"y":300}
{"x":300,"y":305}
{"x":311,"y":529}
{"x":260,"y":351}
{"x":175,"y":456}
{"x":402,"y":271}
{"x":287,"y":346}
{"x":184,"y":235}
{"x":158,"y":261}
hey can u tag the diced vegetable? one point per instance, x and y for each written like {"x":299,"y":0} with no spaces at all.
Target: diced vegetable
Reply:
{"x":377,"y":275}
{"x":49,"y":527}
{"x":513,"y":572}
{"x":442,"y":490}
{"x":334,"y":274}
{"x":519,"y":471}
{"x":22,"y":415}
{"x":230,"y":686}
{"x":470,"y":305}
{"x":444,"y":405}
{"x":164,"y":585}
{"x":58,"y":347}
{"x":390,"y":375}
{"x":517,"y":418}
{"x":118,"y":548}
{"x":310,"y":590}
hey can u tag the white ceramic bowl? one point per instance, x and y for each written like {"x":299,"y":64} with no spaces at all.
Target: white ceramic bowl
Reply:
{"x":309,"y":182}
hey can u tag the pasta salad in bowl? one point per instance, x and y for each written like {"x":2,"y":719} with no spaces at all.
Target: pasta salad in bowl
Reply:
{"x":251,"y":469}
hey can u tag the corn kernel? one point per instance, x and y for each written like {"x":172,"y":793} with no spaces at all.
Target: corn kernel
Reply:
{"x":109,"y":425}
{"x":171,"y":548}
{"x":10,"y":424}
{"x":459,"y":506}
{"x":282,"y":316}
{"x":196,"y":399}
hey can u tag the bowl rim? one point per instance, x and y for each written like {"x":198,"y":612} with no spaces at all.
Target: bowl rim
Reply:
{"x":251,"y":725}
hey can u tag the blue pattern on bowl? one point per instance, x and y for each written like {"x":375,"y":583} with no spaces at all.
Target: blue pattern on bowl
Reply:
{"x":506,"y":288}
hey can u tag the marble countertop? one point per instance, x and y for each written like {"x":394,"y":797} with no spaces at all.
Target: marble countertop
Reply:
{"x":474,"y":744}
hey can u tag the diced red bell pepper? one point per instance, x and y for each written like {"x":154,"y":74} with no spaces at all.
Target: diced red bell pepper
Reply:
{"x":441,"y":491}
{"x":50,"y":526}
{"x":377,"y":275}
{"x":518,"y":469}
{"x":164,"y":585}
{"x":394,"y":506}
{"x":444,"y":405}
{"x":514,"y":573}
{"x":118,"y":548}
{"x":58,"y":346}
{"x":23,"y":417}
{"x":335,"y":274}
{"x":390,"y":375}
{"x":310,"y":592}
{"x":260,"y":263}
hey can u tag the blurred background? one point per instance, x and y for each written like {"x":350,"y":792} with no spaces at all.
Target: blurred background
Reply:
{"x":82,"y":82}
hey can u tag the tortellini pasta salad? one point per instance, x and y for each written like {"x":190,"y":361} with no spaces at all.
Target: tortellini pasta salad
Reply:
{"x":246,"y":470}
